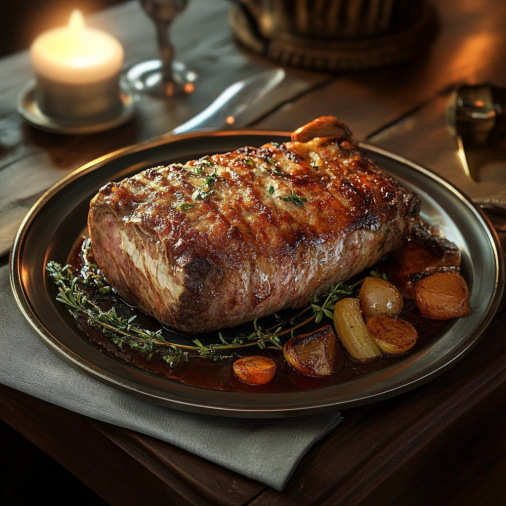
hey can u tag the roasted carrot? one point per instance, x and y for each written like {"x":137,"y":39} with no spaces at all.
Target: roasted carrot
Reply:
{"x":255,"y":370}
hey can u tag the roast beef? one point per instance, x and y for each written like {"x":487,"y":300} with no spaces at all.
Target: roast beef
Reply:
{"x":225,"y":239}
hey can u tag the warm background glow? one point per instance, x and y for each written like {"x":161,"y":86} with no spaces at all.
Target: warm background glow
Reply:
{"x":23,"y":20}
{"x":76,"y":54}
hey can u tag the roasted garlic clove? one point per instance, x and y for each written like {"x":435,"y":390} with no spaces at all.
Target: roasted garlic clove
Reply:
{"x":378,"y":296}
{"x":441,"y":295}
{"x":255,"y":370}
{"x":312,"y":354}
{"x":352,"y":331}
{"x":392,"y":335}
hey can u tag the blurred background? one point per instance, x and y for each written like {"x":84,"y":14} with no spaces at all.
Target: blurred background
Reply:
{"x":22,"y":20}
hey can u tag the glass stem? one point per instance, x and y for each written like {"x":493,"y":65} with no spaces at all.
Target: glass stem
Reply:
{"x":166,"y":50}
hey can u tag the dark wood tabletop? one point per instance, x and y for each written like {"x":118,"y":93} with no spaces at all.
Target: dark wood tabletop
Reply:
{"x":442,"y":443}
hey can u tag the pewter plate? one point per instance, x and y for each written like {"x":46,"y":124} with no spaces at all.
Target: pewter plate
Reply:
{"x":54,"y":223}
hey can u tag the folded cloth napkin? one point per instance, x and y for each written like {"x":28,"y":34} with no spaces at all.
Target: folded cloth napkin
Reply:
{"x":266,"y":450}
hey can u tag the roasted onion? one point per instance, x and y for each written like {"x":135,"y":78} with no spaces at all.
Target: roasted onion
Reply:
{"x":378,"y":296}
{"x":352,"y":330}
{"x":442,"y":295}
{"x":391,"y":334}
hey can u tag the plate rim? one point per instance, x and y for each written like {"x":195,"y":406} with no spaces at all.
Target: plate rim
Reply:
{"x":78,"y":362}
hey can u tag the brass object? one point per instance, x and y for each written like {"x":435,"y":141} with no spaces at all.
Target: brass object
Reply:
{"x":475,"y":116}
{"x":334,"y":34}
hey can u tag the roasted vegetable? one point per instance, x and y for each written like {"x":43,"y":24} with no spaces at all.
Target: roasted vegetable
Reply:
{"x":378,"y":296}
{"x":391,"y":334}
{"x":255,"y":370}
{"x":352,"y":330}
{"x":423,"y":252}
{"x":312,"y":354}
{"x":441,"y":295}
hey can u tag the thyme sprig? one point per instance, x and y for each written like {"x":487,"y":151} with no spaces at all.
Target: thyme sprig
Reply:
{"x":295,"y":199}
{"x":83,"y":296}
{"x":332,"y":296}
{"x":75,"y":293}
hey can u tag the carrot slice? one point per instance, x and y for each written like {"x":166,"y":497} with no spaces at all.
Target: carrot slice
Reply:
{"x":255,"y":370}
{"x":442,"y":296}
{"x":391,"y":334}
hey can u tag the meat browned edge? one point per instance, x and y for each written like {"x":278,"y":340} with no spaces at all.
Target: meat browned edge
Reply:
{"x":243,"y":252}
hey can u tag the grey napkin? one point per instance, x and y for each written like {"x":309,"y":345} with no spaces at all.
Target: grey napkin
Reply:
{"x":264,"y":450}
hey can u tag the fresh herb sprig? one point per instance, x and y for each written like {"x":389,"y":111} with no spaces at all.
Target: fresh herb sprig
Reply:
{"x":206,"y":190}
{"x":295,"y":199}
{"x":82,"y":302}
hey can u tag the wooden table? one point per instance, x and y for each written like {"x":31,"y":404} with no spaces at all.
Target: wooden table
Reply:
{"x":443,"y":443}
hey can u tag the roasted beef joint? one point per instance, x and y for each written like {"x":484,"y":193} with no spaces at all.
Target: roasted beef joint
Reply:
{"x":231,"y":237}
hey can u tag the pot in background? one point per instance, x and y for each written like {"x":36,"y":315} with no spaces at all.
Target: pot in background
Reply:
{"x":334,"y":34}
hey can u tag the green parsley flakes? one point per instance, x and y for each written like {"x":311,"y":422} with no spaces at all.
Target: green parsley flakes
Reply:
{"x":186,"y":206}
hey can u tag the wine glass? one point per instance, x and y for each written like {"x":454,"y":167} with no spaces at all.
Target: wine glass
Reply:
{"x":164,"y":77}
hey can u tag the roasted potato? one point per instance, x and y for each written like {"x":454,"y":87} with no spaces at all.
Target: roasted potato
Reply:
{"x":352,"y":330}
{"x":441,"y":295}
{"x":378,"y":296}
{"x":312,"y":354}
{"x":391,"y":334}
{"x":255,"y":370}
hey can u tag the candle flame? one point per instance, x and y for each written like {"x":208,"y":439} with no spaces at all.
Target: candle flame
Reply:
{"x":76,"y":21}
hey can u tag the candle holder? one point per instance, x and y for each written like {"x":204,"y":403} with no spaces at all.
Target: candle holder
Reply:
{"x":30,"y":108}
{"x":78,"y":87}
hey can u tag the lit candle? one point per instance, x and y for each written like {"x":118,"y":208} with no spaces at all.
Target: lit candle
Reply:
{"x":77,"y":72}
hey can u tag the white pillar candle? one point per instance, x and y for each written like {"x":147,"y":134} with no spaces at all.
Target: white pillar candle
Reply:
{"x":77,"y":71}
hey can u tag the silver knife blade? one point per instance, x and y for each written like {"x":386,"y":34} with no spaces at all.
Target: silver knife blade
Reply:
{"x":232,"y":102}
{"x":468,"y":168}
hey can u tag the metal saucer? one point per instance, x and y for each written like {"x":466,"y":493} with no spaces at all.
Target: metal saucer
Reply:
{"x":28,"y":108}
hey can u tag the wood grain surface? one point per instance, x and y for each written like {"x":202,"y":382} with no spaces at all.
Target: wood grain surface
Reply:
{"x":443,"y":443}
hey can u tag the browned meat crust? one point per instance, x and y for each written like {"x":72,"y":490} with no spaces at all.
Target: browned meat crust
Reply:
{"x":231,"y":237}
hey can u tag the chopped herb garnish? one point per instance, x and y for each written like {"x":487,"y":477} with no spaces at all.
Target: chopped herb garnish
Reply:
{"x":271,"y":161}
{"x":248,"y":161}
{"x":295,"y":199}
{"x":271,"y":190}
{"x":186,"y":206}
{"x":277,"y":172}
{"x":205,"y":191}
{"x":210,"y":180}
{"x":314,"y":165}
{"x":202,"y":192}
{"x":197,"y":169}
{"x":206,"y":161}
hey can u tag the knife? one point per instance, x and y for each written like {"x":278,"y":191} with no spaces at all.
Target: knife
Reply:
{"x":476,"y":116}
{"x":238,"y":97}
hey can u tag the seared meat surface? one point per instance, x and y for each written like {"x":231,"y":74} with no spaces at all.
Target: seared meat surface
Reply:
{"x":232,"y":237}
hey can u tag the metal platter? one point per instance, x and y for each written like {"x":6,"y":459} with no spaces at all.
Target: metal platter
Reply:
{"x":54,"y":223}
